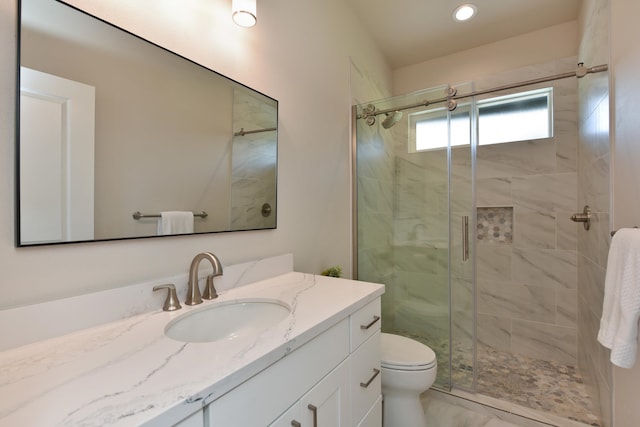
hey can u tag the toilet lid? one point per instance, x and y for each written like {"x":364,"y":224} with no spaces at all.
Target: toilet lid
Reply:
{"x":403,"y":353}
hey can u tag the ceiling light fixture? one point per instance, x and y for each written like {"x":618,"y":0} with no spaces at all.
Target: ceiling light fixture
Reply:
{"x":244,"y":12}
{"x":464,"y":12}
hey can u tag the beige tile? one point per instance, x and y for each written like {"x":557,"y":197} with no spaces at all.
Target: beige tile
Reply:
{"x":591,"y":284}
{"x":545,"y":193}
{"x":462,"y":297}
{"x":534,"y":230}
{"x":544,"y":341}
{"x":599,"y":184}
{"x":566,"y":231}
{"x":545,"y":267}
{"x":567,"y":308}
{"x":565,"y":109}
{"x":494,"y":331}
{"x":493,"y":192}
{"x":604,"y":238}
{"x":462,"y":329}
{"x":567,"y":151}
{"x":516,"y":301}
{"x":460,"y":196}
{"x":493,"y":262}
{"x":516,"y":159}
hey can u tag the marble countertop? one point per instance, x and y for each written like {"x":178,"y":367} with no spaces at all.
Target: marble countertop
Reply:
{"x":128,"y":373}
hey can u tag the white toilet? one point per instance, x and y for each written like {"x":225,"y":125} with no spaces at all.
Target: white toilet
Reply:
{"x":408,"y":369}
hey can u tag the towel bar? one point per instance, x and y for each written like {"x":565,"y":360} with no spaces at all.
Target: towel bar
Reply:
{"x":138,"y":215}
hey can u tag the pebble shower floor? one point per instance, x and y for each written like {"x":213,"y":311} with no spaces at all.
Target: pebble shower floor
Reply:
{"x":537,"y":384}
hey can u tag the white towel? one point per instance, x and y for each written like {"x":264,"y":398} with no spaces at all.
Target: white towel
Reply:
{"x":175,"y":222}
{"x":621,"y":308}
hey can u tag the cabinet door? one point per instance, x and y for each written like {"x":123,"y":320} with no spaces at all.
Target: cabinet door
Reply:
{"x":289,"y":418}
{"x":365,"y":377}
{"x":374,"y":416}
{"x":328,"y":403}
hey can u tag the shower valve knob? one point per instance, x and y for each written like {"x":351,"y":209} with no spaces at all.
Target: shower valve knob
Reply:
{"x":584,"y":217}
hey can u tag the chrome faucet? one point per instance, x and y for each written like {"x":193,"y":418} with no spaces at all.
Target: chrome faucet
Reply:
{"x":193,"y":292}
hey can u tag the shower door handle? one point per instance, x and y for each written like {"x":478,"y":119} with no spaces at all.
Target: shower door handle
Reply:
{"x":465,"y":238}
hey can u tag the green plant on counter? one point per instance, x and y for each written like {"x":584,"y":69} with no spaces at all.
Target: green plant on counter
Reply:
{"x":333,"y":271}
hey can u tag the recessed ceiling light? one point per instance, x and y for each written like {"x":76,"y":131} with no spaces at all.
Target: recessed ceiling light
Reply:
{"x":244,"y":12}
{"x":464,"y":12}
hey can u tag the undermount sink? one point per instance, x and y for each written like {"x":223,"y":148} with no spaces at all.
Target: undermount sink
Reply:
{"x":227,"y":321}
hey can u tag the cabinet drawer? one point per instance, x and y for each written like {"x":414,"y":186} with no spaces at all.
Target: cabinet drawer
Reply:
{"x":365,"y":377}
{"x":364,"y":323}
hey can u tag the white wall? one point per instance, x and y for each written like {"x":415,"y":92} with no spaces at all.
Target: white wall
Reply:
{"x":299,"y":56}
{"x":625,"y":64}
{"x":532,"y":48}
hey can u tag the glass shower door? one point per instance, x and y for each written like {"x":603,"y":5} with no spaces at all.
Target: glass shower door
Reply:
{"x":462,"y":228}
{"x":411,"y":188}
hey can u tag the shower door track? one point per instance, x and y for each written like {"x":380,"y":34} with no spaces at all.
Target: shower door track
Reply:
{"x":580,"y":72}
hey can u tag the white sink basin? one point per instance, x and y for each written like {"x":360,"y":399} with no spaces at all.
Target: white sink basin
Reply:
{"x":227,"y":321}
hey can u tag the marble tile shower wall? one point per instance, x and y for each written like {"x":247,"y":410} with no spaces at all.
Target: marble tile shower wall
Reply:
{"x":527,"y":289}
{"x":593,"y":189}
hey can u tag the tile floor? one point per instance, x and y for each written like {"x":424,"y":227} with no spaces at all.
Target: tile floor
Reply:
{"x":461,"y":409}
{"x":441,"y":411}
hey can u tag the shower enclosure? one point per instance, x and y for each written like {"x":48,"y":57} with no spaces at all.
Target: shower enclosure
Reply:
{"x":463,"y":197}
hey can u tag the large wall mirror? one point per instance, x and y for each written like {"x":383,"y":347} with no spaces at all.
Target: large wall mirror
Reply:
{"x":118,"y":138}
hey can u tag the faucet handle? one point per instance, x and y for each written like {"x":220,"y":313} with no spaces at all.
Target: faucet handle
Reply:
{"x":209,"y":289}
{"x":171,"y":303}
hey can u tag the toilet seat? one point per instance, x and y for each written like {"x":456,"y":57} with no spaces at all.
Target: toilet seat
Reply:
{"x":404,"y":354}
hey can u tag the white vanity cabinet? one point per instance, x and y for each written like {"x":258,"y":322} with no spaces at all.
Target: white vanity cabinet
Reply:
{"x":331,"y":381}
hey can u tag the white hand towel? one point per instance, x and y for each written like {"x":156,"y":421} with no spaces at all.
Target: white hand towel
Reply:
{"x":621,"y":308}
{"x":175,"y":222}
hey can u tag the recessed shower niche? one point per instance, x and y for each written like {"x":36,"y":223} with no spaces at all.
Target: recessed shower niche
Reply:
{"x":495,"y":224}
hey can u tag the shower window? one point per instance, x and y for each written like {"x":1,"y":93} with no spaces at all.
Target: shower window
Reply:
{"x":429,"y":130}
{"x":522,"y":116}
